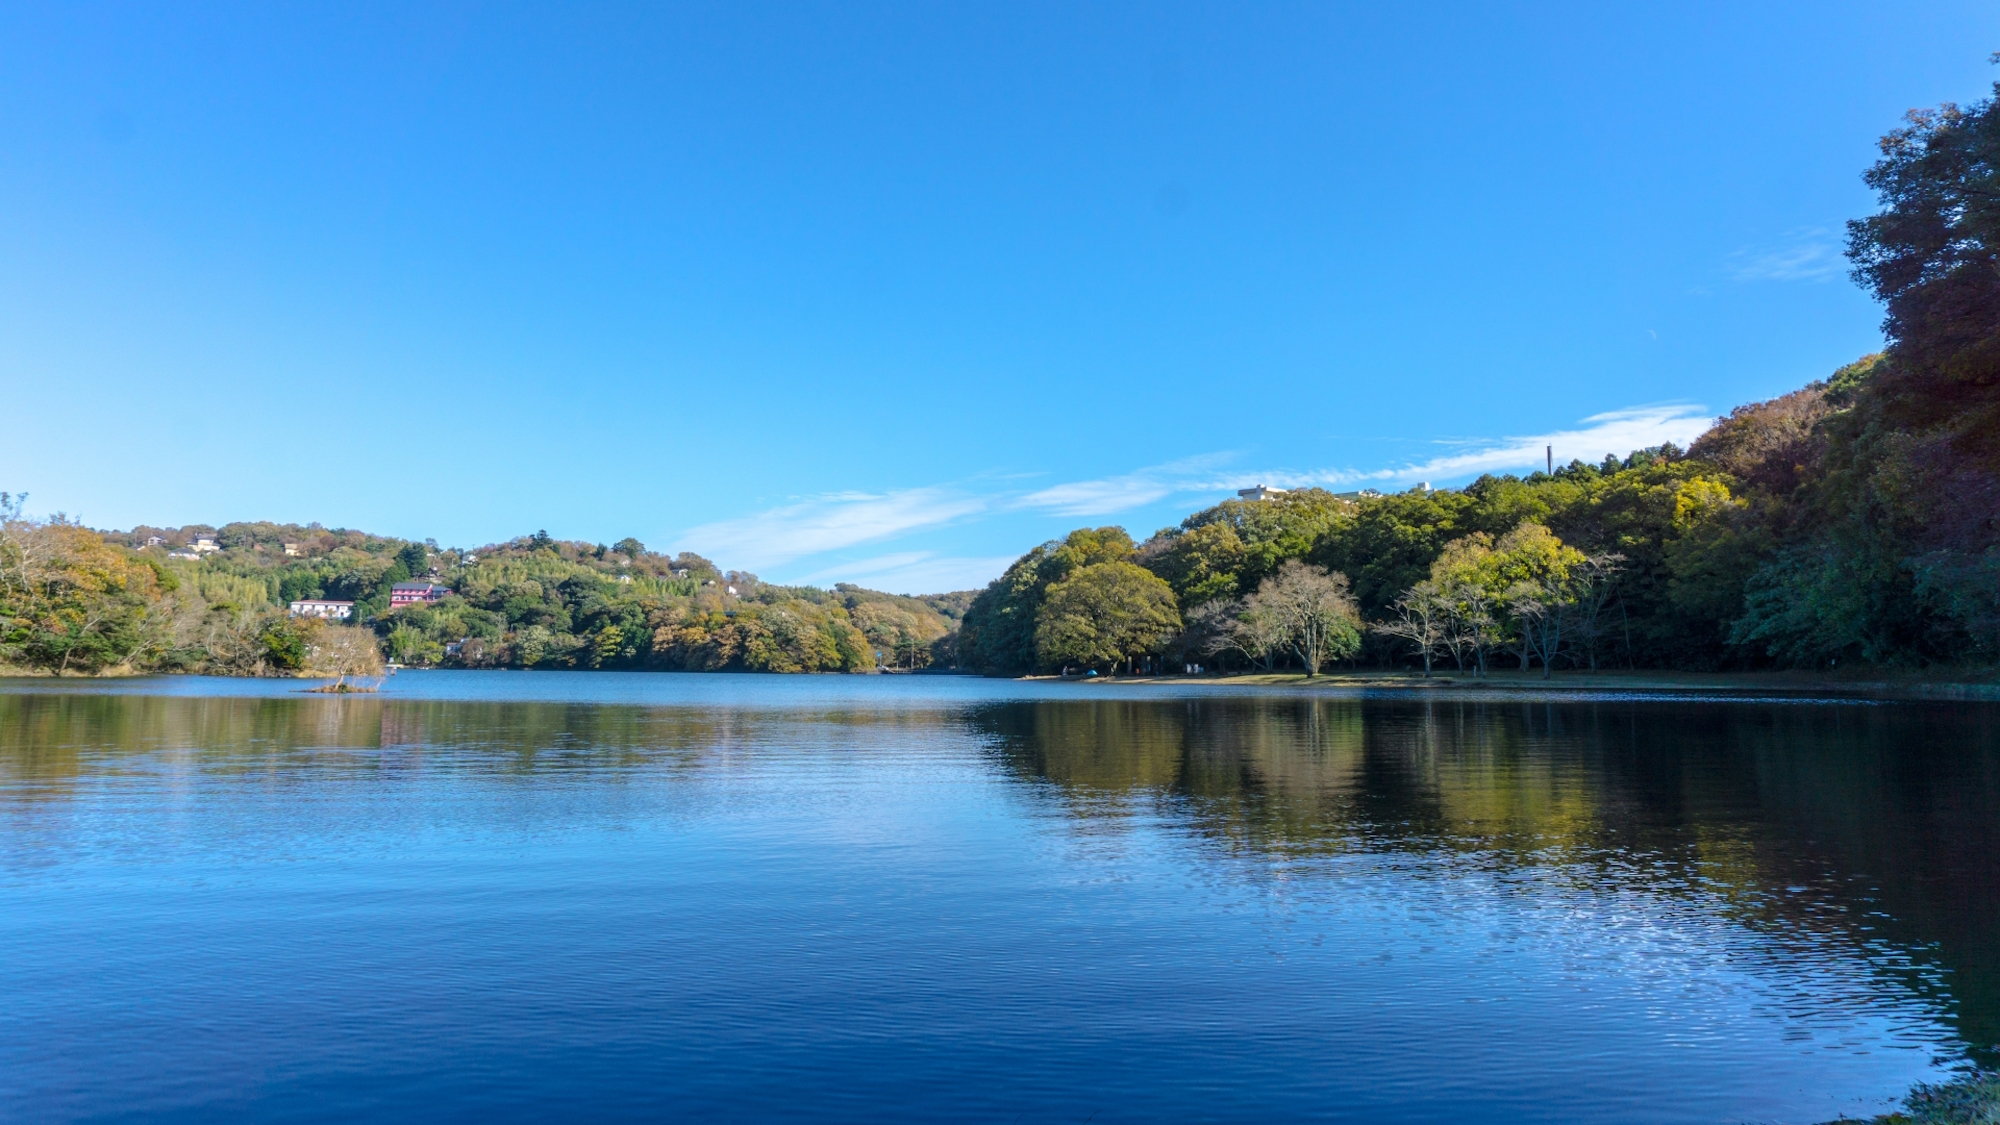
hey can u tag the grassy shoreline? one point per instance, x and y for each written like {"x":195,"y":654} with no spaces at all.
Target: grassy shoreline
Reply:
{"x":1983,"y":685}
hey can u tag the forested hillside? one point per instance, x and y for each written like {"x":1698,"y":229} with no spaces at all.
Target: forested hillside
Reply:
{"x":79,"y":600}
{"x":1856,"y":520}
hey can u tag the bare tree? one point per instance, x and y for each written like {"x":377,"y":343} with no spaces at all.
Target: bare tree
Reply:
{"x":1422,"y":617}
{"x":1206,"y":631}
{"x":344,"y":652}
{"x":24,"y":563}
{"x":1313,"y":609}
{"x":1537,"y":611}
{"x":1562,"y":605}
{"x":1472,"y":623}
{"x":1242,"y":626}
{"x":1591,"y":585}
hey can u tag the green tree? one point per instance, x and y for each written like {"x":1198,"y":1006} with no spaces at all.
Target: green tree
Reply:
{"x":1466,"y":582}
{"x":1201,"y":564}
{"x":1906,"y":507}
{"x":286,"y":642}
{"x":412,"y":646}
{"x":1540,"y":574}
{"x":998,"y":633}
{"x":414,"y":559}
{"x":1390,"y":543}
{"x":1104,"y":613}
{"x":1284,"y":526}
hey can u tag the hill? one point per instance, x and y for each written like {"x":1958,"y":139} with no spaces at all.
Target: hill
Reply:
{"x":216,"y":599}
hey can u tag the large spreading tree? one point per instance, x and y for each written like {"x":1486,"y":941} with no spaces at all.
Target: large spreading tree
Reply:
{"x":1105,"y":614}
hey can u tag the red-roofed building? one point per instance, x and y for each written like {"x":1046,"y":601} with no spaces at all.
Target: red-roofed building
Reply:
{"x":415,"y":593}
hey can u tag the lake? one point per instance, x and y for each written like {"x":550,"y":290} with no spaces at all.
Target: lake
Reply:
{"x":519,"y":896}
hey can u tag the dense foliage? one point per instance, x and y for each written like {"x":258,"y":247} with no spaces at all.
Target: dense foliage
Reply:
{"x":160,"y":599}
{"x":1800,"y":532}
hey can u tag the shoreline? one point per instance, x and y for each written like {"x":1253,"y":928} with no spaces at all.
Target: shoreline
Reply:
{"x":1443,"y":683}
{"x":1639,"y":682}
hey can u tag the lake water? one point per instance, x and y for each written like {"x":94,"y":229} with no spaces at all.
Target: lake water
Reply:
{"x":528,"y":897}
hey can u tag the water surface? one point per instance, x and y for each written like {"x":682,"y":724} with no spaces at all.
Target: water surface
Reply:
{"x":513,"y":896}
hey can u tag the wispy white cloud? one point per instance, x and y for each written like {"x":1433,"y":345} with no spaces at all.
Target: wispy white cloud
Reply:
{"x":1806,"y":255}
{"x":1099,"y":497}
{"x":914,"y":572}
{"x":830,"y":523}
{"x":1613,"y":432}
{"x":1616,"y":431}
{"x":1122,"y":493}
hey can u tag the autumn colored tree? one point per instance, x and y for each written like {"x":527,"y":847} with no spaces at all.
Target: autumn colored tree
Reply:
{"x":69,"y":601}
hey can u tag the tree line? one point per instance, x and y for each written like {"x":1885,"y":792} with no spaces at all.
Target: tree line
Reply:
{"x":1854,"y":521}
{"x":77,"y":600}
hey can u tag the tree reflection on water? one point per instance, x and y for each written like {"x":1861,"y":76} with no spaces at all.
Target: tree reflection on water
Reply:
{"x":1877,"y":826}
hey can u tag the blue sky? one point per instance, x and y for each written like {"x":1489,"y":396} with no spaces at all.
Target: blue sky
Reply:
{"x":890,"y":293}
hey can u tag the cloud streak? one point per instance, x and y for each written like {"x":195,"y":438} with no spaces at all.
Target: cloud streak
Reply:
{"x":1120,"y":493}
{"x":1613,"y":432}
{"x":831,"y":523}
{"x":1616,"y":432}
{"x":1810,"y":256}
{"x":914,"y":572}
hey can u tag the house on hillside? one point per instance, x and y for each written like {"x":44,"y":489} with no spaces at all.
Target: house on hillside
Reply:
{"x":205,"y":546}
{"x":291,"y":550}
{"x":320,"y":607}
{"x":1261,"y":492}
{"x":415,"y":593}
